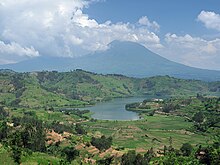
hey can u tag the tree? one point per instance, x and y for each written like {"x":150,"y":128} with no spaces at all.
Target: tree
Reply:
{"x":210,"y":154}
{"x":33,"y":134}
{"x":149,"y":155}
{"x":106,"y":161}
{"x":16,"y":144}
{"x":102,"y":143}
{"x":79,"y":129}
{"x":198,"y":117}
{"x":70,"y":153}
{"x":140,"y":160}
{"x":128,"y":158}
{"x":186,"y":149}
{"x":3,"y":130}
{"x":3,"y":113}
{"x":16,"y":154}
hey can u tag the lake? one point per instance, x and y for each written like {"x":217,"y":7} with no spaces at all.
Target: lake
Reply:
{"x":115,"y":109}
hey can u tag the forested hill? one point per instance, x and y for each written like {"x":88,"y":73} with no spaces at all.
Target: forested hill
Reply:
{"x":79,"y":88}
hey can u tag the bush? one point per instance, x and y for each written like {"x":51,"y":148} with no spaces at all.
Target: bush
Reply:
{"x":102,"y":143}
{"x":186,"y":149}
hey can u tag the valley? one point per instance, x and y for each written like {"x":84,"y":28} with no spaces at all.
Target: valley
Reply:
{"x":41,"y":121}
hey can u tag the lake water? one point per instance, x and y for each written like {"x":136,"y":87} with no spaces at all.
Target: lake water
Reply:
{"x":115,"y":109}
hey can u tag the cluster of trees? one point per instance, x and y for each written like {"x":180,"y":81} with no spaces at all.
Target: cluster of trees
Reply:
{"x":102,"y":143}
{"x":59,"y":128}
{"x":168,"y":107}
{"x":80,"y":130}
{"x":131,"y":158}
{"x":132,"y":106}
{"x":28,"y":134}
{"x":209,"y":155}
{"x":208,"y":116}
{"x":76,"y":112}
{"x":137,"y":106}
{"x":3,"y":113}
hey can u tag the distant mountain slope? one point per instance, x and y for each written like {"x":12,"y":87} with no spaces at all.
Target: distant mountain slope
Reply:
{"x":78,"y":88}
{"x":127,"y":58}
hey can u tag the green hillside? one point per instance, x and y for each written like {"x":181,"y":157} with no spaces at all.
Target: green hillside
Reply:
{"x":80,"y":88}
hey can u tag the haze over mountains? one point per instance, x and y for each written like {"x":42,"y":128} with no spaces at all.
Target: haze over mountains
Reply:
{"x":127,"y":58}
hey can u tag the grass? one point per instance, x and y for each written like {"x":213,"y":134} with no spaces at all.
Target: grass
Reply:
{"x":48,"y":116}
{"x":34,"y":96}
{"x":5,"y":158}
{"x":39,"y":158}
{"x":153,"y":131}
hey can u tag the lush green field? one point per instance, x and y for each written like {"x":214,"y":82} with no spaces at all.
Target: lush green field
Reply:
{"x":153,"y":131}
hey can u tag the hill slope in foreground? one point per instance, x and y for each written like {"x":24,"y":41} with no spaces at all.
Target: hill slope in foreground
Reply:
{"x":127,"y":58}
{"x":79,"y":88}
{"x":36,"y":129}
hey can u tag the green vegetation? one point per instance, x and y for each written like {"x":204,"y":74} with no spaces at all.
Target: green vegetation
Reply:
{"x":102,"y":143}
{"x":80,"y":88}
{"x":40,"y":122}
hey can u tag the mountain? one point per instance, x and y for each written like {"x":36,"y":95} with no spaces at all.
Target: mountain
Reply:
{"x":127,"y":58}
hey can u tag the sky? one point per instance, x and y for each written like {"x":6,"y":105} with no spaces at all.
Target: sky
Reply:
{"x":186,"y":31}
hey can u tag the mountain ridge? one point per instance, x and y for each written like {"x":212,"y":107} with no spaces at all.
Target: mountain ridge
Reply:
{"x":122,"y":57}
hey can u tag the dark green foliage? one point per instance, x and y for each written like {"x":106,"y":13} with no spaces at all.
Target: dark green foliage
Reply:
{"x":3,"y":130}
{"x":17,"y":80}
{"x":31,"y":134}
{"x":131,"y":158}
{"x":131,"y":106}
{"x":106,"y":161}
{"x":59,"y":128}
{"x":70,"y":153}
{"x":17,"y":139}
{"x":198,"y":117}
{"x":173,"y":159}
{"x":80,"y":130}
{"x":16,"y":154}
{"x":3,"y":113}
{"x":151,"y":113}
{"x":54,"y":149}
{"x":136,"y":106}
{"x":139,"y":160}
{"x":16,"y":120}
{"x":102,"y":143}
{"x":148,"y":156}
{"x":74,"y":111}
{"x":186,"y":149}
{"x":34,"y":137}
{"x":168,"y":107}
{"x":210,"y":155}
{"x":128,"y":158}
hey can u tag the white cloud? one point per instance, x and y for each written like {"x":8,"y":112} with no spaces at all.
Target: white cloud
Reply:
{"x":146,"y":22}
{"x":193,"y":51}
{"x":60,"y":28}
{"x":13,"y":51}
{"x":210,"y":19}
